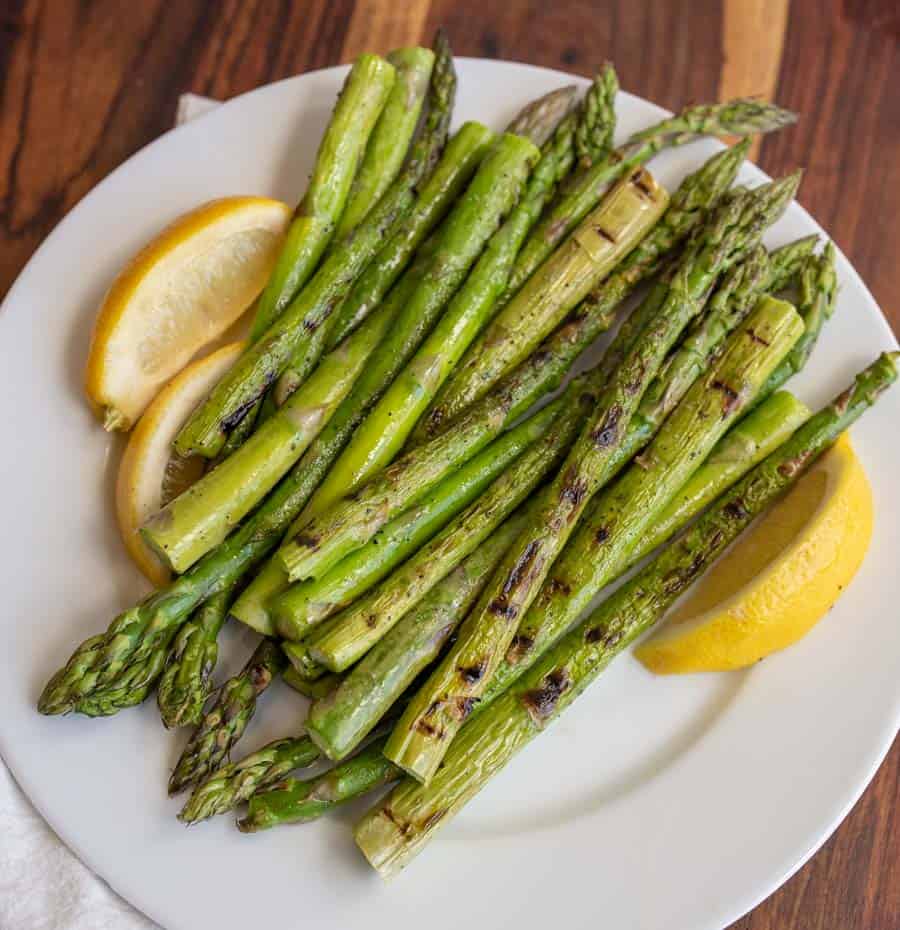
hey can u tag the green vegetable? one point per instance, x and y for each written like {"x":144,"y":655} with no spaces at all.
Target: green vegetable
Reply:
{"x":340,"y":720}
{"x":235,"y":782}
{"x":546,"y":366}
{"x":602,"y":240}
{"x":307,"y":603}
{"x":302,"y":329}
{"x":201,"y":517}
{"x":390,"y":139}
{"x":350,"y":634}
{"x":399,"y":827}
{"x":224,"y":724}
{"x":433,"y":717}
{"x":734,"y":118}
{"x":475,"y":218}
{"x":382,"y":434}
{"x":186,"y":681}
{"x":361,"y":101}
{"x":296,"y":801}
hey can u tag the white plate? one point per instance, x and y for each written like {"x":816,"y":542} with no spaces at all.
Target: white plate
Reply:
{"x":656,"y":802}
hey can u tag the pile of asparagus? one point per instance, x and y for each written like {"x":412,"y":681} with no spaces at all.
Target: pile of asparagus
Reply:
{"x":415,"y":537}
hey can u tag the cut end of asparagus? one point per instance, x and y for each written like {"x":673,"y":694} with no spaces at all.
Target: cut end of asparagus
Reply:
{"x":380,"y":839}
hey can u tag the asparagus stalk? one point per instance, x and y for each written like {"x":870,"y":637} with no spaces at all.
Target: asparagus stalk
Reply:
{"x":295,"y":801}
{"x":734,"y":118}
{"x":302,"y":328}
{"x":391,"y":136}
{"x":353,"y":632}
{"x":818,"y":291}
{"x":745,"y":445}
{"x":393,"y":832}
{"x":730,"y":304}
{"x":350,"y":523}
{"x":339,"y":721}
{"x":117,"y":668}
{"x":234,"y":783}
{"x":201,"y":517}
{"x":382,"y":434}
{"x":534,"y":122}
{"x":361,"y":101}
{"x":596,"y":246}
{"x":547,"y":365}
{"x":433,"y":717}
{"x":304,"y":665}
{"x":492,"y":193}
{"x":310,"y":689}
{"x":307,"y":603}
{"x":226,"y":721}
{"x":252,"y":606}
{"x":597,"y":122}
{"x":539,"y":118}
{"x":465,"y":151}
{"x":552,"y":614}
{"x":186,"y":681}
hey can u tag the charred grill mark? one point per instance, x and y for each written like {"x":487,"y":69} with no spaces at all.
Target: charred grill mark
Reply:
{"x":308,"y":541}
{"x":640,"y":180}
{"x":519,"y":648}
{"x":574,"y":490}
{"x":431,"y":820}
{"x":558,"y":586}
{"x":500,"y":605}
{"x":755,"y":336}
{"x":429,"y":729}
{"x":607,"y":431}
{"x":601,"y":535}
{"x":556,"y":229}
{"x":790,"y":467}
{"x":371,"y":621}
{"x":605,"y":234}
{"x":681,"y":578}
{"x":472,"y":674}
{"x":636,"y":381}
{"x":730,"y":395}
{"x":462,"y":707}
{"x":736,"y":510}
{"x":597,"y":635}
{"x":402,"y":826}
{"x":500,"y":608}
{"x":541,"y":702}
{"x":238,"y":414}
{"x":842,"y":402}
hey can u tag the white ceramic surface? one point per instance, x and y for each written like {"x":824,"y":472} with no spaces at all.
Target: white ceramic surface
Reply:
{"x":655,"y":802}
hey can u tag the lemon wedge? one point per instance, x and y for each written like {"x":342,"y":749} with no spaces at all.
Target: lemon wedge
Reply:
{"x":780,"y":577}
{"x":150,"y":473}
{"x":178,"y":294}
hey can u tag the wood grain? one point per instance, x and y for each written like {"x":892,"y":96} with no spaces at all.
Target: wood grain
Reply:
{"x":85,"y":83}
{"x":752,"y":44}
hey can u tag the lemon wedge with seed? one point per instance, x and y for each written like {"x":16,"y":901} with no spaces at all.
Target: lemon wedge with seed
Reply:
{"x":177,"y":295}
{"x":150,"y":473}
{"x":778,"y":580}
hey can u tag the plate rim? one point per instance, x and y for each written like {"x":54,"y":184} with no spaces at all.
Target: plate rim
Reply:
{"x":753,"y":898}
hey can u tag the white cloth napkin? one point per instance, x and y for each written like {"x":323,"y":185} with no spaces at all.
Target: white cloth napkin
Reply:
{"x":42,"y":885}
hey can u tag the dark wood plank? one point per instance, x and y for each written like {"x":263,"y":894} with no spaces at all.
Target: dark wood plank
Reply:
{"x":84,"y":85}
{"x":840,"y":70}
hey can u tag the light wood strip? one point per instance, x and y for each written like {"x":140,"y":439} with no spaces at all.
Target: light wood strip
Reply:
{"x":380,"y":25}
{"x":752,"y":43}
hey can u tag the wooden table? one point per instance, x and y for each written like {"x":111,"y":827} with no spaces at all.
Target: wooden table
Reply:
{"x":86,"y":84}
